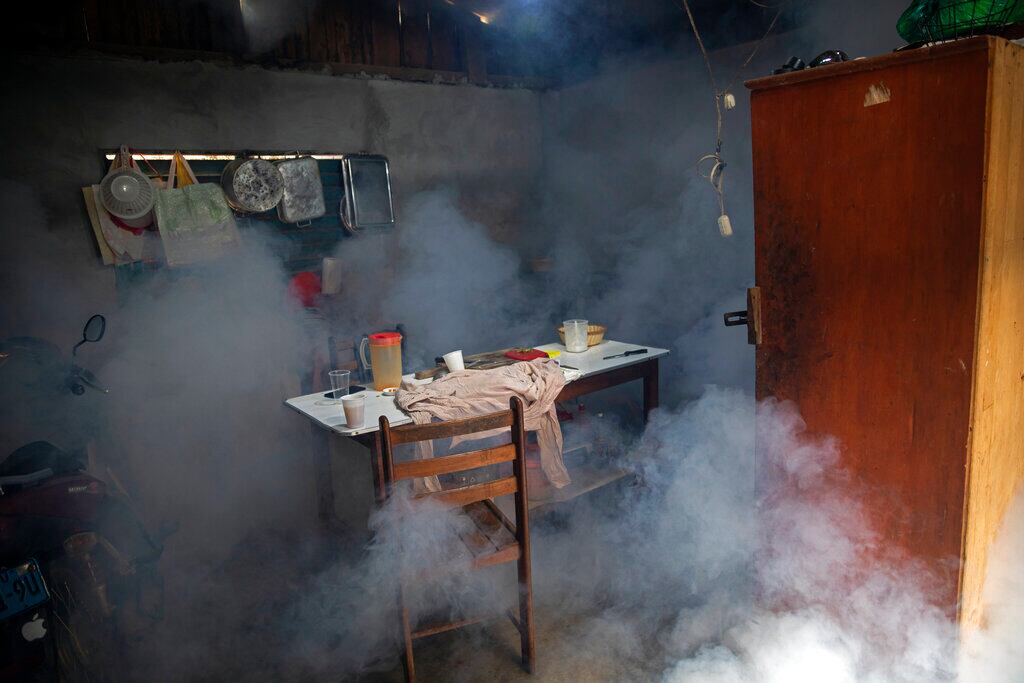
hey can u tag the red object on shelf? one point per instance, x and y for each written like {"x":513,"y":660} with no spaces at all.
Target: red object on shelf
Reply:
{"x":305,"y":287}
{"x":532,"y":354}
{"x":124,"y":226}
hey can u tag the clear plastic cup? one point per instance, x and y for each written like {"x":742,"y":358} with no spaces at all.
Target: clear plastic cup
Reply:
{"x":575,"y":335}
{"x":339,"y":384}
{"x":355,"y":410}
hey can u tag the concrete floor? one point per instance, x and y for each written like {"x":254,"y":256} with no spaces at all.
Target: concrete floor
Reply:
{"x":568,"y":650}
{"x":281,"y":609}
{"x":240,"y":627}
{"x":578,"y":641}
{"x":574,"y":644}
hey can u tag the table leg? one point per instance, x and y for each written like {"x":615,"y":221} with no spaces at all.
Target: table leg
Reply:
{"x":322,"y":469}
{"x":372,"y":441}
{"x":377,"y":462}
{"x":650,"y":387}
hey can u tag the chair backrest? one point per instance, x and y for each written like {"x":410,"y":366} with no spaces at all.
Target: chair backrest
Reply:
{"x":342,"y":354}
{"x":513,"y":452}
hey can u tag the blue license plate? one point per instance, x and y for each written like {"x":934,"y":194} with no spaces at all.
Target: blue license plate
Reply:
{"x":21,"y":589}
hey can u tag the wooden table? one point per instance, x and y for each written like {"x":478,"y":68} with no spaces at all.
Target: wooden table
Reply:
{"x":597,"y":374}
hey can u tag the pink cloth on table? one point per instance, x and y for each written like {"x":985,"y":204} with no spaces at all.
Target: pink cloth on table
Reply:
{"x":468,"y":393}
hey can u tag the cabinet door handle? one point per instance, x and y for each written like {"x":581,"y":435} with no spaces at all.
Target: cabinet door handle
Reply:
{"x":750,"y":317}
{"x":736,"y":318}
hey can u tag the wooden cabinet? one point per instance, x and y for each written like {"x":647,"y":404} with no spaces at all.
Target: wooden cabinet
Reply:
{"x":890,"y":262}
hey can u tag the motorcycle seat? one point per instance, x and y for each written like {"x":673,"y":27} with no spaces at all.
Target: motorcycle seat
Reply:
{"x":37,"y":456}
{"x":25,"y":479}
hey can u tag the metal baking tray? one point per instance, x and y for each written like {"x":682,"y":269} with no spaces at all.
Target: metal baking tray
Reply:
{"x":303,"y":198}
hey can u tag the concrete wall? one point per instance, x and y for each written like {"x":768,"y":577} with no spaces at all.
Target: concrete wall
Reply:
{"x":198,"y":364}
{"x":626,"y":215}
{"x":58,"y":112}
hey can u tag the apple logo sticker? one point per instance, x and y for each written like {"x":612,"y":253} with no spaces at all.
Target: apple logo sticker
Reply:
{"x":34,"y":629}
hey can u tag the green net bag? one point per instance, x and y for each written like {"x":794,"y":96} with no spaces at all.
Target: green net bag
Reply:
{"x":931,"y":20}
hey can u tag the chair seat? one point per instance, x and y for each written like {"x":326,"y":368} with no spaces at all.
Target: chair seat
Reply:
{"x":486,"y":541}
{"x":490,"y":541}
{"x":493,"y":540}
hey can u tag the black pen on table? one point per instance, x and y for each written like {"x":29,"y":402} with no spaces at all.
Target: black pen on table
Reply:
{"x":634,"y":352}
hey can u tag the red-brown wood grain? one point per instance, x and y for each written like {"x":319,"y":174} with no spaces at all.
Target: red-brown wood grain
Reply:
{"x":386,"y":50}
{"x":867,"y":243}
{"x":415,"y":32}
{"x":445,"y":48}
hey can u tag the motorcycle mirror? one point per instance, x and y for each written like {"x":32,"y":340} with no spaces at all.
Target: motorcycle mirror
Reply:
{"x":94,"y":328}
{"x":93,"y":331}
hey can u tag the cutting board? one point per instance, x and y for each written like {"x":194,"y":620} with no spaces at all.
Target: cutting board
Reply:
{"x":476,"y":361}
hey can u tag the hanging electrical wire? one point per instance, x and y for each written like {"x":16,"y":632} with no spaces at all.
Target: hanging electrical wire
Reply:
{"x":767,"y":6}
{"x":715,"y":174}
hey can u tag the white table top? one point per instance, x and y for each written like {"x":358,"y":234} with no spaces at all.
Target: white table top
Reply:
{"x":590,"y":362}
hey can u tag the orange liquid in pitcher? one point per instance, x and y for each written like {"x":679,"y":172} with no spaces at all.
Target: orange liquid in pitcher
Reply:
{"x":386,"y":362}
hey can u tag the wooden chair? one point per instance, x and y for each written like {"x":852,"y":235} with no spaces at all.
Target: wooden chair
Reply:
{"x":499,"y":540}
{"x":344,"y":356}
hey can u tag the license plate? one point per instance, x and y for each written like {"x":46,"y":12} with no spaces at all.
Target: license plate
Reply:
{"x":21,"y":589}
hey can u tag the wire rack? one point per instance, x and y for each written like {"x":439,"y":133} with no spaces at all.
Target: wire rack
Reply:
{"x":934,"y":20}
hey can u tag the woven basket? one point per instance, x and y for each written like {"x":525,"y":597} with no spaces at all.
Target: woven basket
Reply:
{"x":595,"y":334}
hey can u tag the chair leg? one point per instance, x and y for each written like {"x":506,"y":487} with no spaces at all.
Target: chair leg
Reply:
{"x":527,"y":642}
{"x":407,"y":659}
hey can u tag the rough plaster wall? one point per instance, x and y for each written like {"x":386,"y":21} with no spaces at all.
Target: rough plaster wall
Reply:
{"x":621,"y":186}
{"x":245,"y":467}
{"x":629,"y":137}
{"x":622,"y":202}
{"x":484,"y":143}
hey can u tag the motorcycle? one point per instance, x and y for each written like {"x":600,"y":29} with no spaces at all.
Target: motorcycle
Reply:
{"x":78,"y":570}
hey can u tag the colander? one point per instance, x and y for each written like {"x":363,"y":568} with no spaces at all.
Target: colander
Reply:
{"x":129,"y":196}
{"x":252,"y":185}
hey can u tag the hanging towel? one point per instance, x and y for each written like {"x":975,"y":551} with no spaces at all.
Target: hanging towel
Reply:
{"x":468,"y":393}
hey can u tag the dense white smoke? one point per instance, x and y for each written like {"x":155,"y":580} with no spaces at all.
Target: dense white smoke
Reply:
{"x":694,"y":571}
{"x":198,"y":364}
{"x":995,"y":653}
{"x":443,"y":279}
{"x":834,"y":604}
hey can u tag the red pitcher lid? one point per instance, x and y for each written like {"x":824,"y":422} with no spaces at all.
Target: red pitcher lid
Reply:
{"x":385,"y":339}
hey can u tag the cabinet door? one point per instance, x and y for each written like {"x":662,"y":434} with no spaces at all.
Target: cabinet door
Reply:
{"x":868,"y":189}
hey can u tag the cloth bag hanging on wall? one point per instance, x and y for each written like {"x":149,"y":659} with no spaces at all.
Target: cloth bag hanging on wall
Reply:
{"x":195,"y":222}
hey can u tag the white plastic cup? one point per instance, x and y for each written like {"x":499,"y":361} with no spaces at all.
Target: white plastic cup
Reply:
{"x":454,"y":361}
{"x":330,"y":275}
{"x":355,"y":409}
{"x":575,"y":335}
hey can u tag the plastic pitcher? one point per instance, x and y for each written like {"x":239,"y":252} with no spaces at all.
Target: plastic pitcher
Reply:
{"x":385,"y":359}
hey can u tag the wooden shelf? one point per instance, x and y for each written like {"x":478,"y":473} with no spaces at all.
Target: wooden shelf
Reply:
{"x":585,"y":478}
